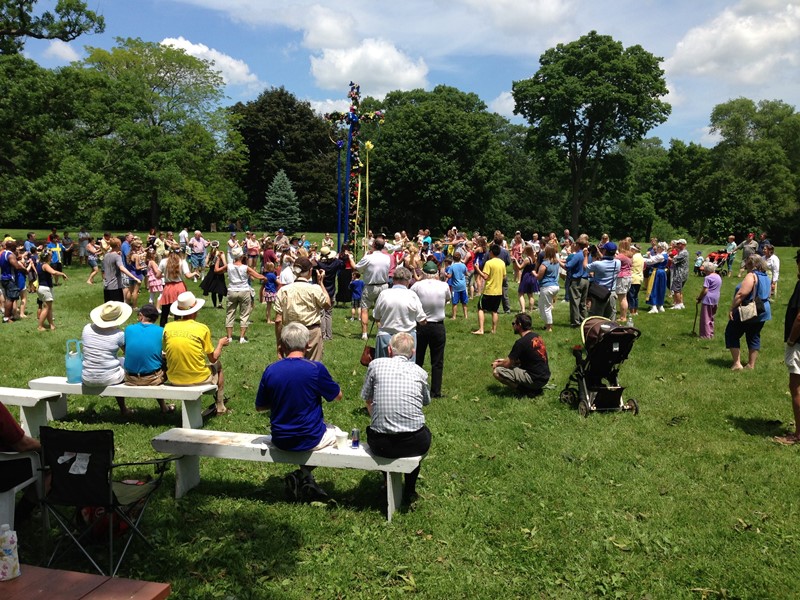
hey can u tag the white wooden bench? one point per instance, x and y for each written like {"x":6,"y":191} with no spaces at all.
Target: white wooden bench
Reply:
{"x":33,"y":406}
{"x":191,"y":444}
{"x":189,"y":396}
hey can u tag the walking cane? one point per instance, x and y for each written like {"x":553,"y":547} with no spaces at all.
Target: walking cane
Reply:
{"x":694,"y":325}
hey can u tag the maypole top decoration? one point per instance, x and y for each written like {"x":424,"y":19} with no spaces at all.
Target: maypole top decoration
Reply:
{"x":353,"y":118}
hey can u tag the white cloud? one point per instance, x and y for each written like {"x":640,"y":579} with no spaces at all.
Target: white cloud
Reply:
{"x":232,"y":70}
{"x":674,"y":96}
{"x":375,"y":64}
{"x":322,"y":107}
{"x":751,"y":43}
{"x":707,"y":137}
{"x":503,"y":105}
{"x":326,"y":28}
{"x":61,"y":51}
{"x":513,"y":16}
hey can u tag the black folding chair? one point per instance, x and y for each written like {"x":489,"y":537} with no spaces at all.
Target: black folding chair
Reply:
{"x":82,"y":467}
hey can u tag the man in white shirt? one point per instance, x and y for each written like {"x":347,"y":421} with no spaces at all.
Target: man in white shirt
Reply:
{"x":434,"y":295}
{"x":397,"y":309}
{"x":773,"y":267}
{"x":183,"y":238}
{"x":374,"y":269}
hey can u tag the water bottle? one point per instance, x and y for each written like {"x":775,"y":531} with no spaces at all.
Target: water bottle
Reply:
{"x":9,"y":557}
{"x":74,"y":359}
{"x":630,"y":321}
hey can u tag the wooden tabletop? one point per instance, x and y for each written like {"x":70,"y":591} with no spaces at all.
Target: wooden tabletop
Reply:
{"x":38,"y":583}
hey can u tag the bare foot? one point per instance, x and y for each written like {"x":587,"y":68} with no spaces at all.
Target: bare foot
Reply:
{"x":52,"y":327}
{"x":479,"y":332}
{"x":737,"y":367}
{"x":41,"y":329}
{"x":90,"y":282}
{"x":749,"y":367}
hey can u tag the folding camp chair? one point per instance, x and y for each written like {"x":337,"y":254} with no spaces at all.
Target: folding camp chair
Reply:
{"x":82,"y":467}
{"x":9,"y":470}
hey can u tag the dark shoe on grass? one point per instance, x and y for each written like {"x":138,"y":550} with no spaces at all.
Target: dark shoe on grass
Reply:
{"x":311,"y":491}
{"x":292,"y":484}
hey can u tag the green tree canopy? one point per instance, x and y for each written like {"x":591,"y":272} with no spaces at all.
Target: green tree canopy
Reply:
{"x":586,"y":97}
{"x":68,"y":20}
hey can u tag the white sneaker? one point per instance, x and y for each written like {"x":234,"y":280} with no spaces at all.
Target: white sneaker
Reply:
{"x":363,"y":336}
{"x":653,"y":311}
{"x":243,"y":340}
{"x":676,"y":307}
{"x":661,"y":309}
{"x":230,"y":340}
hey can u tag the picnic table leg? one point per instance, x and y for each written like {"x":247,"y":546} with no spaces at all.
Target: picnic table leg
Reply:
{"x":192,"y":414}
{"x":394,"y":493}
{"x":57,"y":409}
{"x":34,"y":417}
{"x":187,"y":474}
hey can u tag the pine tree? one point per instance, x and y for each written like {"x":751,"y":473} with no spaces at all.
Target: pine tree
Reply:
{"x":282,"y":208}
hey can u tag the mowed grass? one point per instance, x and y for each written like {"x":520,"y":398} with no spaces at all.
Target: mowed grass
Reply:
{"x":520,"y":498}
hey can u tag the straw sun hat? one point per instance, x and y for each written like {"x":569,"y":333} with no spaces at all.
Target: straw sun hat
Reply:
{"x":110,"y":314}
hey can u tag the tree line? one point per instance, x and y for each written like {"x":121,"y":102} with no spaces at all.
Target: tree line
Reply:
{"x":139,"y":136}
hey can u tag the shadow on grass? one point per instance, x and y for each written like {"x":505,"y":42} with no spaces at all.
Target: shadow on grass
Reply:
{"x":502,"y":391}
{"x":95,"y":414}
{"x":716,"y":361}
{"x":757,"y":426}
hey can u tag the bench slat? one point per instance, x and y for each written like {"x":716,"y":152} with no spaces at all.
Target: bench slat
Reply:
{"x":22,"y":397}
{"x":164,"y":392}
{"x":258,"y":447}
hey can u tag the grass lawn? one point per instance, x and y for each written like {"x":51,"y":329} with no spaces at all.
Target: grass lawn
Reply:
{"x":520,"y":498}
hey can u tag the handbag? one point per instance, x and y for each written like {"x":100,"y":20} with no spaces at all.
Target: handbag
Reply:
{"x":753,"y":308}
{"x":598,"y":292}
{"x":369,"y":351}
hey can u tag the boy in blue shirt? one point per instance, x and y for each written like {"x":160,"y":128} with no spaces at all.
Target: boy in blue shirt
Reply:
{"x":356,"y":289}
{"x":457,"y":277}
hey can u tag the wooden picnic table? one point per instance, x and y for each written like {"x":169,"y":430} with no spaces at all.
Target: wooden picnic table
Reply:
{"x":39,"y":583}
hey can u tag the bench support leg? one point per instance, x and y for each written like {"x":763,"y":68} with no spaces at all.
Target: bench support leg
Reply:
{"x":192,"y":414}
{"x":187,"y":474}
{"x":57,"y":409}
{"x":34,"y":417}
{"x":394,"y":493}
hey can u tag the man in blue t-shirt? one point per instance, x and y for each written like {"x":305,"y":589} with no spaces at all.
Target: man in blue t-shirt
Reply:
{"x":292,"y":390}
{"x":457,"y":276}
{"x":144,"y":362}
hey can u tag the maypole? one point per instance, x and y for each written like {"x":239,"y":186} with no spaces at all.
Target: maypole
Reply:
{"x":352,"y":208}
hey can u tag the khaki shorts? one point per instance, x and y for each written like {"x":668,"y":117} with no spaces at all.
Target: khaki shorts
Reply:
{"x":517,"y":377}
{"x":213,"y":378}
{"x":156,"y":378}
{"x":328,"y":438}
{"x":371,"y":293}
{"x":792,"y":358}
{"x":45,"y":293}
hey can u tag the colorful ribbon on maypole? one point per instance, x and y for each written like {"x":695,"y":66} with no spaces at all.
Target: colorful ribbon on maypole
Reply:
{"x":369,"y":146}
{"x":354,"y":165}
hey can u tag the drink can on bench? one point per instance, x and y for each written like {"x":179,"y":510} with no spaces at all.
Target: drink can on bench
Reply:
{"x":355,"y":436}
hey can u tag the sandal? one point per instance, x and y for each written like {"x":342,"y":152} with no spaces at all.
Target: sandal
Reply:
{"x":786,"y":440}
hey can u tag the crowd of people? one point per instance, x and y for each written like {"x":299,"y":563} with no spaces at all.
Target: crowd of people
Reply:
{"x":403,"y":285}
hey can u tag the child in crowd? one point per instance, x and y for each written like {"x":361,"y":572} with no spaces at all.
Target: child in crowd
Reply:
{"x":709,"y":300}
{"x":155,"y":284}
{"x":356,"y":289}
{"x":698,"y":262}
{"x":270,"y":289}
{"x":457,"y":278}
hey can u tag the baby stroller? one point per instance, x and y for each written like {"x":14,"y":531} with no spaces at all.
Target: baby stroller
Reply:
{"x":719,"y":258}
{"x":606,"y":345}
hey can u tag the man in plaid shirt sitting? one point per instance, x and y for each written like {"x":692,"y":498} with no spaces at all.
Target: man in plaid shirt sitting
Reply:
{"x":395,"y":390}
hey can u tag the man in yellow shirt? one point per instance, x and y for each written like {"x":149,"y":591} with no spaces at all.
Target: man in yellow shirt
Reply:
{"x":191,"y":358}
{"x":493,"y":271}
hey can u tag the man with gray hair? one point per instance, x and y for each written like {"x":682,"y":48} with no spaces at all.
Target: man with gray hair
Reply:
{"x":395,"y":390}
{"x":398,"y":309}
{"x":292,"y":390}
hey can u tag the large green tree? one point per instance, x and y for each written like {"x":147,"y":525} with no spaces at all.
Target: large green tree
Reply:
{"x":588,"y":96}
{"x":438,"y":161}
{"x":281,"y":209}
{"x":68,"y":20}
{"x":283,"y":133}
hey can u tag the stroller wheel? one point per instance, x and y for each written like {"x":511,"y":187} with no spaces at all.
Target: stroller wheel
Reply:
{"x":584,"y":409}
{"x":568,"y":396}
{"x":632,"y":405}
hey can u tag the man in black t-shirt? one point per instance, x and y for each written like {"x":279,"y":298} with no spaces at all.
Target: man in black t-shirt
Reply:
{"x":526,"y":369}
{"x":791,"y":335}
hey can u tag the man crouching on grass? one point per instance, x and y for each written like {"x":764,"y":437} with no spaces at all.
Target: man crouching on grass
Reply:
{"x":526,"y":368}
{"x":292,"y":390}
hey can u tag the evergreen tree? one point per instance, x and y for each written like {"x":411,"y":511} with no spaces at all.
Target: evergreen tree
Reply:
{"x":282,"y":208}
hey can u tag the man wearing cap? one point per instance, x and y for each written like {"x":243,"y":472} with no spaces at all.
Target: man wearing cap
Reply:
{"x":434,"y":295}
{"x":144,"y":362}
{"x":331,"y":265}
{"x":191,"y":358}
{"x":197,"y":247}
{"x":303,"y":302}
{"x":102,"y":339}
{"x":749,"y":247}
{"x":374,"y":269}
{"x":604,"y":273}
{"x":680,"y":273}
{"x":280,"y":239}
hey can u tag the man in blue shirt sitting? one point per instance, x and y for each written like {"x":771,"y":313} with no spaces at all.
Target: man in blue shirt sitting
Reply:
{"x":292,"y":390}
{"x":144,"y":362}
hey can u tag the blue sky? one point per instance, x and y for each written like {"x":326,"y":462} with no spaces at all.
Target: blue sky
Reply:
{"x":713,"y":50}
